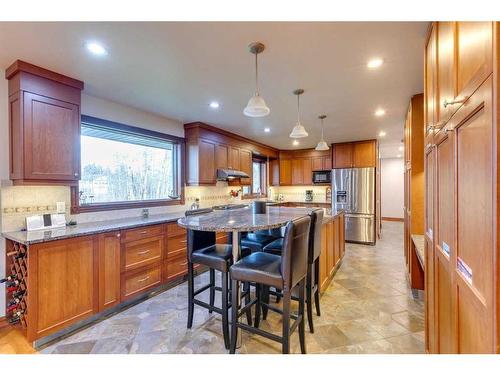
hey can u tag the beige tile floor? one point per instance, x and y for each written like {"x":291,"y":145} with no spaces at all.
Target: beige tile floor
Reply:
{"x":368,"y":308}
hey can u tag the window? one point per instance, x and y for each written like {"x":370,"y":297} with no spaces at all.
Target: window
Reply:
{"x":258,"y":187}
{"x":124,"y":167}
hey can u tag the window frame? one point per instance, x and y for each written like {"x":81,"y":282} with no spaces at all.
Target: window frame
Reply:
{"x":263,"y":180}
{"x":179,"y":147}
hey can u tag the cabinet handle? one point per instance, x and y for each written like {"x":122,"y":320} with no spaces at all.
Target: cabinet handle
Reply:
{"x":141,"y":280}
{"x":144,"y":232}
{"x":446,"y":103}
{"x":448,"y":129}
{"x":143,"y":252}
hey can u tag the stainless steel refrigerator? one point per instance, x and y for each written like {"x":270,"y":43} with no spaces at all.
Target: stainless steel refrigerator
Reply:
{"x":353,"y":191}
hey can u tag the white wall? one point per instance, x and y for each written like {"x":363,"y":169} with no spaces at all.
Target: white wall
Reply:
{"x":392,"y":187}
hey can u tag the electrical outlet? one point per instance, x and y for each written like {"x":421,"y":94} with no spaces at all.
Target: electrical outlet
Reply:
{"x":61,"y":207}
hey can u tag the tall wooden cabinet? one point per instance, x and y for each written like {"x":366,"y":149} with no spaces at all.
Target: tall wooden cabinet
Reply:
{"x":413,"y":209}
{"x":355,"y":154}
{"x":461,"y":199}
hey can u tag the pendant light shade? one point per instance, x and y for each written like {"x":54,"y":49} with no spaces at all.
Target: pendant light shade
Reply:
{"x":298,"y":130}
{"x":322,"y":145}
{"x":256,"y":106}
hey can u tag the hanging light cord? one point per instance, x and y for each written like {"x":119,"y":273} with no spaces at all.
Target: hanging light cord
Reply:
{"x":322,"y":137}
{"x":298,"y":108}
{"x":256,"y":77}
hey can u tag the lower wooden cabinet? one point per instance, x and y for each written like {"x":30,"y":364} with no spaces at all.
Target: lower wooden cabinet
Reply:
{"x":332,"y":250}
{"x":109,"y":269}
{"x":138,"y":281}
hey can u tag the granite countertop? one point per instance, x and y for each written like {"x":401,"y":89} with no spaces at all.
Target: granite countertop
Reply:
{"x":243,"y":219}
{"x":84,"y":229}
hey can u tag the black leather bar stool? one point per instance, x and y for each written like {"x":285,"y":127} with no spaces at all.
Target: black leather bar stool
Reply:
{"x":258,"y":239}
{"x":202,"y":249}
{"x":282,"y":272}
{"x":312,"y":280}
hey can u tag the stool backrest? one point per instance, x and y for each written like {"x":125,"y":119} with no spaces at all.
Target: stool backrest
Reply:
{"x":197,"y":239}
{"x":295,"y":251}
{"x":315,"y":235}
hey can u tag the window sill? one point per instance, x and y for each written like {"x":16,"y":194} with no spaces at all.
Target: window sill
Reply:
{"x":125,"y":205}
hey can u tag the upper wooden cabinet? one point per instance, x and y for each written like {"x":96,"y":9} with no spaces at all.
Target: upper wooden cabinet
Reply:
{"x":44,"y":125}
{"x":274,"y":172}
{"x":285,"y":172}
{"x":296,"y":167}
{"x":355,"y":154}
{"x":430,"y":112}
{"x":209,"y":148}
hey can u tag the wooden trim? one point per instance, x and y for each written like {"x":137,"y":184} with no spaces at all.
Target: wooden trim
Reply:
{"x":197,"y":124}
{"x":384,"y":218}
{"x":23,"y":66}
{"x":3,"y":322}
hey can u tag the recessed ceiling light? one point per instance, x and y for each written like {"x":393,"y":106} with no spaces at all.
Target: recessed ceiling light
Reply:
{"x":96,"y":48}
{"x":401,"y":148}
{"x":382,"y":134}
{"x":295,"y":143}
{"x":267,"y":130}
{"x":375,"y":63}
{"x":214,"y":105}
{"x":380,"y":112}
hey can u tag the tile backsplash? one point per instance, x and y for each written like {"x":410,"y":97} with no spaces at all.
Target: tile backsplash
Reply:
{"x":298,"y":193}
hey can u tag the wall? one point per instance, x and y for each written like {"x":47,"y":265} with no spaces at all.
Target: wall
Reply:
{"x":392,"y":187}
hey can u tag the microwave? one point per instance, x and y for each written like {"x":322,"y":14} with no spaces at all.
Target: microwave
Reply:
{"x":322,"y":177}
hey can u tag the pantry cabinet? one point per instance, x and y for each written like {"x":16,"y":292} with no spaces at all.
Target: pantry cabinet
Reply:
{"x":461,"y":201}
{"x":44,"y":126}
{"x":355,"y":154}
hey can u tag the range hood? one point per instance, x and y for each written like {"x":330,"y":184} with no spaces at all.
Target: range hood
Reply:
{"x":229,"y":174}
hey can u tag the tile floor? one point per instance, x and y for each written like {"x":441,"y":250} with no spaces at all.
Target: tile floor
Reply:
{"x":368,"y":308}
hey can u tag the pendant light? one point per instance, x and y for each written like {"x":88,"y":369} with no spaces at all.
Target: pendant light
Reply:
{"x":322,"y":145}
{"x":298,"y":130}
{"x":256,"y":106}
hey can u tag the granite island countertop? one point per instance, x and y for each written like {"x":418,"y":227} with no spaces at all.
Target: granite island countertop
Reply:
{"x":91,"y":228}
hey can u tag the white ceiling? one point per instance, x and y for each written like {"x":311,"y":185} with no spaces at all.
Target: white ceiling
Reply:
{"x":175,"y":69}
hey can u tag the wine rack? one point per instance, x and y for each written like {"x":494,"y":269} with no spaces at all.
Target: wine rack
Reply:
{"x":17,"y":264}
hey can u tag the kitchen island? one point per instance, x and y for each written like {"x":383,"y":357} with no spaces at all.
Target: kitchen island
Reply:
{"x":75,"y":275}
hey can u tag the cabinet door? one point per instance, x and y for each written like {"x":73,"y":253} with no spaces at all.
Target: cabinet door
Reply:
{"x":342,"y":155}
{"x":246,"y":166}
{"x":297,"y":172}
{"x":51,"y":139}
{"x":446,"y":69}
{"x":221,"y":156}
{"x":364,"y":154}
{"x":207,"y":162}
{"x":234,"y":158}
{"x":63,"y":278}
{"x":274,"y":172}
{"x":475,"y":265}
{"x":444,"y":245}
{"x":474,"y":56}
{"x":109,"y":270}
{"x":330,"y":247}
{"x":430,"y":84}
{"x":307,"y":169}
{"x":327,"y":162}
{"x":285,"y":171}
{"x":323,"y":263}
{"x":317,"y":163}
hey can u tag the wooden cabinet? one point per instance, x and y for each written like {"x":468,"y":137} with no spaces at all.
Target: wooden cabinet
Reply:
{"x":109,"y":269}
{"x":139,"y":281}
{"x":297,"y":172}
{"x":63,"y":284}
{"x":274,"y":172}
{"x":44,"y":125}
{"x":307,"y":171}
{"x":332,"y":250}
{"x":246,"y":166}
{"x":430,"y":81}
{"x":355,"y":154}
{"x":296,"y":167}
{"x":461,"y":245}
{"x":234,"y":158}
{"x":207,"y":168}
{"x":322,"y":163}
{"x":221,"y":156}
{"x":285,"y":171}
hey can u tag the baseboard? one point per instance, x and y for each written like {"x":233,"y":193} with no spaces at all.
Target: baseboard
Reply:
{"x":3,"y":322}
{"x":392,"y":219}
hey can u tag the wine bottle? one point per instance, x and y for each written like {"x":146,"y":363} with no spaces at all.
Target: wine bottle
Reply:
{"x":12,"y":283}
{"x":20,"y":255}
{"x":8,"y":278}
{"x":11,"y":289}
{"x":19,"y":294}
{"x":12,"y":308}
{"x":18,"y":313}
{"x":15,"y":320}
{"x":13,"y":301}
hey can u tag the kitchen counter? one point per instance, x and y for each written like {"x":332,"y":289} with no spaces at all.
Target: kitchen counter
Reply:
{"x":418,"y":241}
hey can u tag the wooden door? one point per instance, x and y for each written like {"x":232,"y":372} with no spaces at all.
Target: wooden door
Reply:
{"x":430,"y":106}
{"x":474,"y":56}
{"x":444,"y":243}
{"x":297,"y":172}
{"x":285,"y":171}
{"x":274,"y":172}
{"x":446,"y":70}
{"x":364,"y":154}
{"x":234,"y":158}
{"x":221,"y":156}
{"x":51,"y":139}
{"x":207,"y":162}
{"x":317,"y":163}
{"x":307,"y":169}
{"x":246,"y":166}
{"x":109,"y":270}
{"x":342,"y":155}
{"x":474,"y":260}
{"x":63,"y":283}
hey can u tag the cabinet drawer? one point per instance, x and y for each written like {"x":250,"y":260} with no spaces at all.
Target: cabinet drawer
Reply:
{"x":142,"y":252}
{"x":176,"y":246}
{"x":141,"y":233}
{"x":174,"y":230}
{"x":176,"y":267}
{"x":140,"y":281}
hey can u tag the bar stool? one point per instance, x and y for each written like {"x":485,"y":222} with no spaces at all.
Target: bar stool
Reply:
{"x":312,"y":280}
{"x":258,"y":239}
{"x":282,"y":272}
{"x":202,"y":249}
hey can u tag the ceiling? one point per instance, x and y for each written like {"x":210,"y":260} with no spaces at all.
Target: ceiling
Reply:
{"x":175,"y":69}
